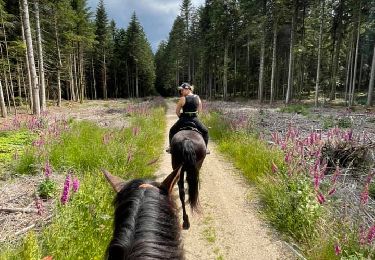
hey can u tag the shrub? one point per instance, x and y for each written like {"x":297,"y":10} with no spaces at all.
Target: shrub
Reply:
{"x":30,"y":249}
{"x":296,"y":108}
{"x":291,"y":206}
{"x":47,"y":189}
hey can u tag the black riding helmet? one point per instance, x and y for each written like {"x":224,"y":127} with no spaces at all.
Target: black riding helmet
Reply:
{"x":184,"y":85}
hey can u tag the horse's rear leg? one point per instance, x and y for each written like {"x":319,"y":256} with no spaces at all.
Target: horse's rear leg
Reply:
{"x":181,"y":190}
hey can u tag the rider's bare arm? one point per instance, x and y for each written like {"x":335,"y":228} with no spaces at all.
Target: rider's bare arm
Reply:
{"x":199,"y":105}
{"x":180,"y":104}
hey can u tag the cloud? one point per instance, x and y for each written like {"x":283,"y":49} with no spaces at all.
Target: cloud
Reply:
{"x":156,"y":16}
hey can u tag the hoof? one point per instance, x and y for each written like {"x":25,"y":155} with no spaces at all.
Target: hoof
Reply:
{"x":186,"y":225}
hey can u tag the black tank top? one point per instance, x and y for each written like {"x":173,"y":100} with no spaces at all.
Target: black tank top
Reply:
{"x":191,"y":104}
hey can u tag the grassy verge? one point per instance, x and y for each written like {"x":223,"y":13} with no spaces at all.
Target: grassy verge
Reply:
{"x":82,"y":227}
{"x":11,"y":146}
{"x":289,"y":201}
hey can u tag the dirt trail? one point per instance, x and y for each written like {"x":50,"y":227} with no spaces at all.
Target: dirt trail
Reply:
{"x":229,"y":226}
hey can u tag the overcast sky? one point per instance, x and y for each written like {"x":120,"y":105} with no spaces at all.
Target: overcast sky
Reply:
{"x":156,"y":16}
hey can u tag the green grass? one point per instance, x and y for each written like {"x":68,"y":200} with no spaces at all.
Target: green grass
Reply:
{"x":82,"y":228}
{"x":248,"y":153}
{"x":12,"y":144}
{"x":296,"y":108}
{"x":291,"y":206}
{"x":289,"y":202}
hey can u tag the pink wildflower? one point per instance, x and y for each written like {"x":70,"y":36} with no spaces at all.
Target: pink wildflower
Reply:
{"x":288,"y":158}
{"x":39,"y":206}
{"x":335,"y":175}
{"x":321,"y":198}
{"x":337,"y":249}
{"x":75,"y":184}
{"x":371,"y":234}
{"x":47,"y":170}
{"x":65,"y":195}
{"x":316,"y":181}
{"x":362,"y":236}
{"x":332,"y":191}
{"x":364,"y":195}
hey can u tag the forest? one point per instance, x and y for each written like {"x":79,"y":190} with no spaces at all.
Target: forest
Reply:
{"x":272,"y":50}
{"x":266,"y":50}
{"x":54,"y":50}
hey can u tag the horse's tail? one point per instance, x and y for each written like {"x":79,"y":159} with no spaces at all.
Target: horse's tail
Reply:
{"x":192,"y":172}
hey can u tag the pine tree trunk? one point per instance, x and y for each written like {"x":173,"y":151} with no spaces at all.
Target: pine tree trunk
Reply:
{"x":356,"y":57}
{"x":261,"y":64}
{"x":274,"y":59}
{"x":24,"y":85}
{"x":291,"y":57}
{"x":136,"y":81}
{"x":59,"y":65}
{"x":27,"y":63}
{"x":19,"y":82}
{"x":81,"y":75}
{"x":348,"y":72}
{"x":30,"y":53}
{"x":41,"y":61}
{"x":93,"y":77}
{"x":7,"y":90}
{"x":210,"y":83}
{"x":75,"y":77}
{"x":336,"y":54}
{"x":360,"y":73}
{"x":2,"y":102}
{"x":225,"y":72}
{"x":8,"y":64}
{"x":319,"y":55}
{"x":104,"y":77}
{"x":372,"y":79}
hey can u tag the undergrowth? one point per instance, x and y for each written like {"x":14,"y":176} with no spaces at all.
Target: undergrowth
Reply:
{"x":81,"y":227}
{"x":289,"y":201}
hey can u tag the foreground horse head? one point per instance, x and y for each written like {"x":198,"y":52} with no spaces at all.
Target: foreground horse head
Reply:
{"x":188,"y":151}
{"x":145,"y":223}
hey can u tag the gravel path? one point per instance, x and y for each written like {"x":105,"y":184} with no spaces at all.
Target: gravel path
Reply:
{"x":229,"y":225}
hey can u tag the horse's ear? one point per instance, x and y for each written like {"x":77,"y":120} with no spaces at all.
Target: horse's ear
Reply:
{"x":171,"y":180}
{"x":116,"y":182}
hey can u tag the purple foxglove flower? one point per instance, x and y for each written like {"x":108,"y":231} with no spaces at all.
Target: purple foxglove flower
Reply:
{"x":321,"y":198}
{"x":362,"y":236}
{"x":337,"y":249}
{"x":65,"y":195}
{"x":75,"y":184}
{"x":332,"y":191}
{"x":371,"y":234}
{"x":39,"y":206}
{"x":364,"y":195}
{"x":47,"y":170}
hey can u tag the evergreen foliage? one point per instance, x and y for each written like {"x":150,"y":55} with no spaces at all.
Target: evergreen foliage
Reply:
{"x":225,"y":48}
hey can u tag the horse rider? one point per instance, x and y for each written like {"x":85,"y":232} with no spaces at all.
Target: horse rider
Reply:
{"x":191,"y":105}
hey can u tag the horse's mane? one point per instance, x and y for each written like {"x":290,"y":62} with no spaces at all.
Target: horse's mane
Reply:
{"x":146,"y":224}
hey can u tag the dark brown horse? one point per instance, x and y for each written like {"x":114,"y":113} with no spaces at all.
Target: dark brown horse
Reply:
{"x":146,"y":225}
{"x":188,"y":151}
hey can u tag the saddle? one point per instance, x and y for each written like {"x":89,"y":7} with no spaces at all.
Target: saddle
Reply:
{"x":190,"y":126}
